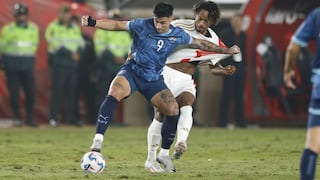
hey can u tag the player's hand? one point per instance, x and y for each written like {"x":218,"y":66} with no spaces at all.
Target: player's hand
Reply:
{"x":84,"y":20}
{"x":234,"y":50}
{"x":288,"y":79}
{"x":88,"y":21}
{"x":229,"y":70}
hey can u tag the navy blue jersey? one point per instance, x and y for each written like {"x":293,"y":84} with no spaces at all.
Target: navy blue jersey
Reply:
{"x":151,"y":49}
{"x":310,"y":30}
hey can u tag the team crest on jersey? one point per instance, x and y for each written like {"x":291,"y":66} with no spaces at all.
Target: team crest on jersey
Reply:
{"x":172,"y":39}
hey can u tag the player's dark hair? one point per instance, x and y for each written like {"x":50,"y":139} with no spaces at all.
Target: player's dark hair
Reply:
{"x":212,"y":8}
{"x":163,"y":10}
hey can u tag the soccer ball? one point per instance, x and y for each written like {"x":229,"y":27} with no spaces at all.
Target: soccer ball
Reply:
{"x":93,"y":162}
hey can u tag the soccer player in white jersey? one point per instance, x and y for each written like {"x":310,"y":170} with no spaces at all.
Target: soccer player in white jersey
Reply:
{"x":180,"y":67}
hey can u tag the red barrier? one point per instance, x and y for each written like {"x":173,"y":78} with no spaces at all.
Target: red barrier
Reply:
{"x":277,"y":19}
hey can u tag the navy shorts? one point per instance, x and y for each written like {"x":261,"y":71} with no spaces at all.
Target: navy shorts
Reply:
{"x":146,"y":88}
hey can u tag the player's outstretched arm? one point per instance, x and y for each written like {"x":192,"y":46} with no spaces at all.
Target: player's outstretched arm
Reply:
{"x":290,"y":59}
{"x":209,"y":46}
{"x":106,"y":24}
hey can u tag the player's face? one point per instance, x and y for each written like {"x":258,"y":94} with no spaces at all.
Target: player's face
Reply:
{"x":162,"y":24}
{"x":202,"y":21}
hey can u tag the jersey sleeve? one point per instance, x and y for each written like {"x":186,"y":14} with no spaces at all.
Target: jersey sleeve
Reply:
{"x":305,"y":32}
{"x":135,"y":25}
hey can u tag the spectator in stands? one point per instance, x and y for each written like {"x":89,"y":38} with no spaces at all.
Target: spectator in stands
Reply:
{"x":86,"y":83}
{"x":65,"y":44}
{"x":272,"y":79}
{"x":233,"y":86}
{"x":19,"y":43}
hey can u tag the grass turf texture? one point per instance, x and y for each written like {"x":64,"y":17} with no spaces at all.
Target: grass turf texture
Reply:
{"x":54,"y":153}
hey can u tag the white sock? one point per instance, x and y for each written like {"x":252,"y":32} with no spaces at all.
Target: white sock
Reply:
{"x":184,"y":124}
{"x":97,"y":141}
{"x":153,"y":139}
{"x":98,"y":137}
{"x":164,"y":152}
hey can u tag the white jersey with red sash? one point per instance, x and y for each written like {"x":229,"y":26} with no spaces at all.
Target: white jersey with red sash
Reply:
{"x":189,"y":54}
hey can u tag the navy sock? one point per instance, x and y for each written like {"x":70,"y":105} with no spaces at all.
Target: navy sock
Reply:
{"x":308,"y":164}
{"x":106,"y":112}
{"x":168,"y":130}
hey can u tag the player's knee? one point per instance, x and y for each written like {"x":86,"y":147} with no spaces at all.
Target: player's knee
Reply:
{"x":116,"y":95}
{"x":119,"y":88}
{"x":172,"y":109}
{"x":186,"y":103}
{"x":315,"y":146}
{"x":185,"y":99}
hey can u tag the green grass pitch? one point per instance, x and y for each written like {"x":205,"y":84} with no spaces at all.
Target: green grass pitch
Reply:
{"x":213,"y":154}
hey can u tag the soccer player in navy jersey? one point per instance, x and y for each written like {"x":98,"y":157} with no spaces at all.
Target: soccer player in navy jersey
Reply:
{"x":154,"y":39}
{"x":307,"y":31}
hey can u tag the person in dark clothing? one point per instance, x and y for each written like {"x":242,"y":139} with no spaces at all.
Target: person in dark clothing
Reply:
{"x":273,"y":80}
{"x":87,"y":80}
{"x":233,"y":86}
{"x":18,"y":44}
{"x":87,"y":77}
{"x":65,"y":45}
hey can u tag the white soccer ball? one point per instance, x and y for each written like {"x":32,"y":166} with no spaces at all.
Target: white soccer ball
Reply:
{"x":93,"y":162}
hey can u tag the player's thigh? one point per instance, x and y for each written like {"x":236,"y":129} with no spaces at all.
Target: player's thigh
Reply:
{"x":178,"y":82}
{"x":185,"y":99}
{"x":165,"y":102}
{"x":119,"y":88}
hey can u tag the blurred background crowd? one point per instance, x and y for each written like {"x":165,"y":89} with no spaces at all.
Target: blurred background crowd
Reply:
{"x":56,"y":72}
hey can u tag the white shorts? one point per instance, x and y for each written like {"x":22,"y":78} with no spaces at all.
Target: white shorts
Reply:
{"x":178,"y":82}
